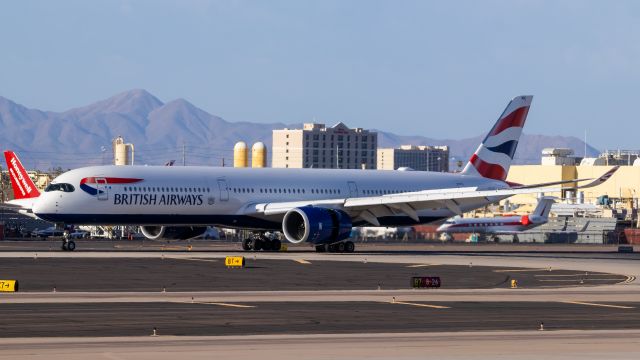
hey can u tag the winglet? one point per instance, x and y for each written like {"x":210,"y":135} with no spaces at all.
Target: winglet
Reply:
{"x":602,"y":179}
{"x":23,"y":186}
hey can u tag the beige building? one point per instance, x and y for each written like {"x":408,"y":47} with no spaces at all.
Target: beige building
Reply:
{"x":123,"y":154}
{"x":623,"y":185}
{"x":318,"y":146}
{"x":421,"y":158}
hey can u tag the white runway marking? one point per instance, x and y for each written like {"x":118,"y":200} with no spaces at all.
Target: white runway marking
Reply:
{"x":602,"y":305}
{"x":301,"y":261}
{"x":221,"y":304}
{"x":419,"y":265}
{"x":420,"y":305}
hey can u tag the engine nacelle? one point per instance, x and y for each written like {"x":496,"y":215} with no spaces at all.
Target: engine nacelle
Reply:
{"x":172,"y":232}
{"x":316,"y":225}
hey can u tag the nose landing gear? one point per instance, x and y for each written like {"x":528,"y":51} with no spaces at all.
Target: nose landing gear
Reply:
{"x":68,"y":245}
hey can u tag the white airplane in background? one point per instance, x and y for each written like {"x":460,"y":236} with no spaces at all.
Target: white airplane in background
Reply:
{"x":500,"y":224}
{"x":319,"y":206}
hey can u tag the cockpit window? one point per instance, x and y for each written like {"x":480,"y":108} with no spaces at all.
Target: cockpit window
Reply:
{"x":60,"y":187}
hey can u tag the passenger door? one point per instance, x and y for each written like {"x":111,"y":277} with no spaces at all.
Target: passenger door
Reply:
{"x":224,"y":190}
{"x":102,"y":187}
{"x":353,"y":189}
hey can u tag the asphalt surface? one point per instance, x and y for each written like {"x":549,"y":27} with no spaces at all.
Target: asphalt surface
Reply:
{"x":482,"y":345}
{"x":211,"y":274}
{"x":121,"y":319}
{"x":373,"y":248}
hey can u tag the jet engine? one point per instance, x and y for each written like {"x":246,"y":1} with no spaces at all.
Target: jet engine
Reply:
{"x":172,"y":232}
{"x":316,"y":225}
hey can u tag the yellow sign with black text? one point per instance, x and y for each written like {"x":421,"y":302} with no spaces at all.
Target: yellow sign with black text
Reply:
{"x":234,"y":261}
{"x":8,"y":285}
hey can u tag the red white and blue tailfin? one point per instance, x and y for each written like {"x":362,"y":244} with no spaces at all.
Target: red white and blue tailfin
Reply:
{"x":23,"y":186}
{"x":494,"y":155}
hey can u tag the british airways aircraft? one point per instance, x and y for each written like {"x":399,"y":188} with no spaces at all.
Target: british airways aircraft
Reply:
{"x":318,"y":206}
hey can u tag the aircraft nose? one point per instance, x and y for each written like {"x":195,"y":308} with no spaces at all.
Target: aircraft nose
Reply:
{"x":44,"y":205}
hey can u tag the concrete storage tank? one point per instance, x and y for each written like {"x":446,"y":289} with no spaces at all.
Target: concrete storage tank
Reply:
{"x":258,"y":155}
{"x":122,"y":153}
{"x":240,"y":155}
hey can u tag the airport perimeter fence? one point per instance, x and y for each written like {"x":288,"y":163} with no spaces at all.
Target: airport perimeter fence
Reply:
{"x":604,"y":237}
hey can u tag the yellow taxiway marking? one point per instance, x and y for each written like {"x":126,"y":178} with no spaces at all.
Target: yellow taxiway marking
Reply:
{"x":301,"y":261}
{"x":191,"y":259}
{"x":579,"y":274}
{"x":574,"y":280}
{"x":421,"y":305}
{"x":173,"y":248}
{"x":594,"y":304}
{"x":629,"y":280}
{"x":418,"y":265}
{"x":222,"y":304}
{"x":520,"y":270}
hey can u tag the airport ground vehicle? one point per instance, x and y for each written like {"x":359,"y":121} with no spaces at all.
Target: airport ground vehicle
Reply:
{"x":318,"y":206}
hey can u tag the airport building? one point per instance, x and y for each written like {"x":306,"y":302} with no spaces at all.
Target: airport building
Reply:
{"x":318,"y":146}
{"x":560,"y":165}
{"x":421,"y":158}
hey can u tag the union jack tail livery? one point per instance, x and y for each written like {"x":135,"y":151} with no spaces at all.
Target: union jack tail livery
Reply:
{"x":494,"y":155}
{"x":23,"y":187}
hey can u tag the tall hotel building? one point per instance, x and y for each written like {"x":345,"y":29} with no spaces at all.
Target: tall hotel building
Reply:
{"x":317,"y":146}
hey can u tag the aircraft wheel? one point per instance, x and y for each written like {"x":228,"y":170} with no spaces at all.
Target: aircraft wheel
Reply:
{"x":258,"y":245}
{"x":349,"y":246}
{"x":247,"y":244}
{"x":71,"y":245}
{"x":276,"y":245}
{"x":64,"y":246}
{"x":340,"y":247}
{"x":321,"y":248}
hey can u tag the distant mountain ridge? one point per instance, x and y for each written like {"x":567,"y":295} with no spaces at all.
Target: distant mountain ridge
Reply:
{"x":162,"y":131}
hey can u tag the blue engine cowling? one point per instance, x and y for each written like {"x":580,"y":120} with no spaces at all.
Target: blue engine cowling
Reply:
{"x":316,"y":225}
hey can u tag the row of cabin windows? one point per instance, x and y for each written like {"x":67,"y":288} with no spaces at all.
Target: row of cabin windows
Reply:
{"x":166,"y":189}
{"x":244,"y":190}
{"x":383,"y":191}
{"x":285,"y":191}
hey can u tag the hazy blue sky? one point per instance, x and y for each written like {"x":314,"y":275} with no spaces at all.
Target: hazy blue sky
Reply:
{"x":443,"y":69}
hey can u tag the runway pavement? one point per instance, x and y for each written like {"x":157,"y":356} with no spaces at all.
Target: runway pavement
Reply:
{"x":248,"y":318}
{"x":331,"y":297}
{"x":195,"y":273}
{"x":485,"y":345}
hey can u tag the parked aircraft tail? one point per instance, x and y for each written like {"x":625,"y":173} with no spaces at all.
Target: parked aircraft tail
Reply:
{"x":544,"y":207}
{"x":23,"y":186}
{"x":493,"y":157}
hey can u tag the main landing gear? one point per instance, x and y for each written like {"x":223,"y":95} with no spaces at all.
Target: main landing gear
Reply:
{"x":339,"y":247}
{"x":259,"y":241}
{"x":68,"y":245}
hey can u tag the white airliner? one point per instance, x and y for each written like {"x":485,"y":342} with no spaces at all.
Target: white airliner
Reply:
{"x":501,"y":224}
{"x":319,"y":206}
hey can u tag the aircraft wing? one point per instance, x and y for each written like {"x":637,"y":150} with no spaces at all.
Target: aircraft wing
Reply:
{"x":593,"y":183}
{"x":410,"y":203}
{"x":407,"y":203}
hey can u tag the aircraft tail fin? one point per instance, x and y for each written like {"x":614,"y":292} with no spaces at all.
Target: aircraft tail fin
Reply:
{"x":23,"y":186}
{"x":544,"y":207}
{"x":493,"y":157}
